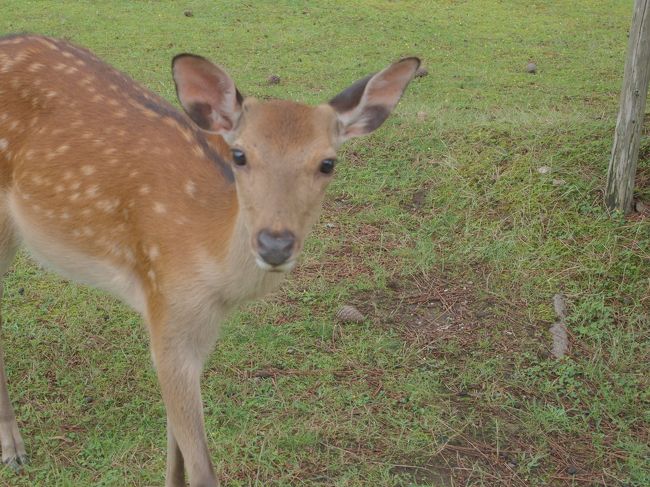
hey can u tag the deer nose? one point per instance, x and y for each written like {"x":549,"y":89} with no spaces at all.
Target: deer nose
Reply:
{"x":275,"y":248}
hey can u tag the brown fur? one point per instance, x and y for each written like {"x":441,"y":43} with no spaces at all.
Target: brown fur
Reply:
{"x":108,"y":184}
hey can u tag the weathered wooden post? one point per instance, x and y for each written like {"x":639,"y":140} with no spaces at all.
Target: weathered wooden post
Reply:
{"x":625,"y":152}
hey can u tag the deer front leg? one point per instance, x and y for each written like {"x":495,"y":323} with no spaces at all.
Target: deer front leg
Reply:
{"x":175,"y":475}
{"x":179,"y":366}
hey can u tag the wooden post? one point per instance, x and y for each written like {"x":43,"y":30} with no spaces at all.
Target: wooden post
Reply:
{"x":625,"y":152}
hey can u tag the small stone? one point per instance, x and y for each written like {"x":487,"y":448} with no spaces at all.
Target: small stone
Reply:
{"x":349,"y":314}
{"x":188,"y":13}
{"x":559,"y":182}
{"x":421,"y":72}
{"x":330,"y":225}
{"x":572,"y":470}
{"x":21,"y":291}
{"x":531,"y":68}
{"x":274,"y":79}
{"x":544,"y":170}
{"x":641,"y":207}
{"x":88,"y":400}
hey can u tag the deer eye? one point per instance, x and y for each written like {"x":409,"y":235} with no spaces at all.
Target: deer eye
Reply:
{"x":239,"y":157}
{"x":327,"y":166}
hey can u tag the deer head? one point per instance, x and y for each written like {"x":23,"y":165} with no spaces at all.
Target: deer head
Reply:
{"x":284,"y":153}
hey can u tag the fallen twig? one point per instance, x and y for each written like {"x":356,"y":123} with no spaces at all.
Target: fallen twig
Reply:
{"x":559,"y":329}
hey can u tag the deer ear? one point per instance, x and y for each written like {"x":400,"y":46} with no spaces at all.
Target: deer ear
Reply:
{"x":365,"y":105}
{"x":207,"y":94}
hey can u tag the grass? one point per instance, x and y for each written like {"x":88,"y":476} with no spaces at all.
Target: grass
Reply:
{"x":439,"y":227}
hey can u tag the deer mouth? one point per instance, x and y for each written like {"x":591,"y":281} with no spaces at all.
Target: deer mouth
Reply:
{"x":286,"y":266}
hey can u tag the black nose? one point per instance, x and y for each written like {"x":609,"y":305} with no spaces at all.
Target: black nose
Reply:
{"x":275,"y":247}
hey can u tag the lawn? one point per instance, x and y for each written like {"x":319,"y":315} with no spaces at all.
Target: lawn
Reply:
{"x":441,"y":228}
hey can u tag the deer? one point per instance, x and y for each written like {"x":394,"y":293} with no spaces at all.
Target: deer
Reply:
{"x":182,"y":216}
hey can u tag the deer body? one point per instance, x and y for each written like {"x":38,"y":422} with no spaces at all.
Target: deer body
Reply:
{"x":107,"y":184}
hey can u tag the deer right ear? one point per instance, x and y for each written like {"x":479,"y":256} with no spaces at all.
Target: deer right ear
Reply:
{"x":207,"y":94}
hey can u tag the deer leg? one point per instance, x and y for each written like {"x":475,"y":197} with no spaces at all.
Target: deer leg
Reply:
{"x":13,"y":447}
{"x":179,"y":357}
{"x":175,"y":475}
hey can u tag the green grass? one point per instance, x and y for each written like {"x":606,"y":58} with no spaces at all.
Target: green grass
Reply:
{"x":439,"y":228}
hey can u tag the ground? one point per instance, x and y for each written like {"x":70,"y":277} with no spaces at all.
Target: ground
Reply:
{"x":440,"y":228}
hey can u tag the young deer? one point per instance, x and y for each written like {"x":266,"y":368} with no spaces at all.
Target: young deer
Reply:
{"x":109,"y":185}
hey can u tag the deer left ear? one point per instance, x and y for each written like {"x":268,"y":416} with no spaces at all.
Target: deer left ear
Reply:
{"x":208,"y":95}
{"x":365,"y":105}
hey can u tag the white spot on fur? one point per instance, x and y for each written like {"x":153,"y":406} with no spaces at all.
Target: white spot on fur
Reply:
{"x":108,"y":206}
{"x":144,"y":189}
{"x":190,"y":188}
{"x":4,"y":143}
{"x":88,"y":169}
{"x":154,"y":252}
{"x":158,"y":207}
{"x":34,"y":67}
{"x":91,"y":191}
{"x":59,"y":150}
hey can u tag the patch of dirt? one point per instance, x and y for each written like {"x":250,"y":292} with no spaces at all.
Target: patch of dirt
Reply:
{"x":429,"y":308}
{"x":417,"y":202}
{"x":569,"y":460}
{"x":430,"y":474}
